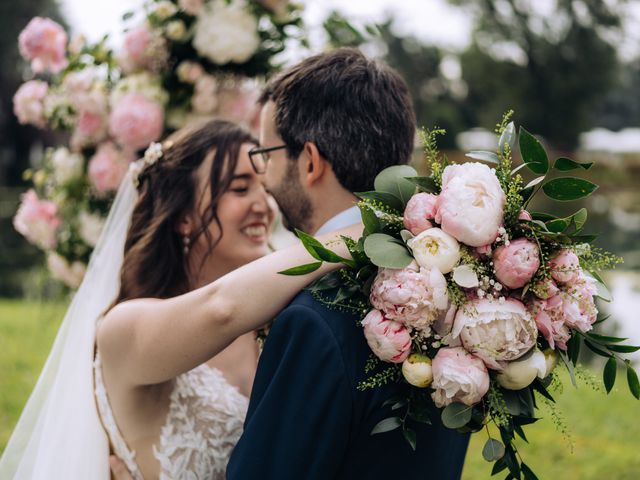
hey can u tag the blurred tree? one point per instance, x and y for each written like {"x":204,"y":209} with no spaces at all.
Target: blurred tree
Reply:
{"x":621,"y":106}
{"x":438,"y":95}
{"x":16,"y":140}
{"x":550,"y":65}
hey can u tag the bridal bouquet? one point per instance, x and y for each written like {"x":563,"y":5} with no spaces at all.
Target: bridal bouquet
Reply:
{"x":180,"y":61}
{"x":470,"y":298}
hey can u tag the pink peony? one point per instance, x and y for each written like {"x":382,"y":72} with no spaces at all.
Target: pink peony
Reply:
{"x":484,"y":250}
{"x":545,"y":288}
{"x":420,"y":209}
{"x":90,"y":129}
{"x":516,"y":263}
{"x":524,"y":215}
{"x":414,"y":296}
{"x":495,"y":330}
{"x":240,"y":104}
{"x":470,"y":206}
{"x":37,"y":220}
{"x":565,"y":267}
{"x":550,"y":321}
{"x":192,"y":7}
{"x":28,"y":103}
{"x":136,"y":121}
{"x":43,"y":42}
{"x":389,"y":340}
{"x":458,"y":376}
{"x":107,"y":168}
{"x":70,"y":274}
{"x":578,"y":306}
{"x":142,"y":49}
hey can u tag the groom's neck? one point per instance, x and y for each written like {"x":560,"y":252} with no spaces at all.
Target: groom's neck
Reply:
{"x":327,"y":205}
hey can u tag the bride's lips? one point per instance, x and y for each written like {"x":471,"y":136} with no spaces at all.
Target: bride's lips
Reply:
{"x":256,"y":232}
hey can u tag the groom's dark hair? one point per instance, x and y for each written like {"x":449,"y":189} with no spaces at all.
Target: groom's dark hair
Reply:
{"x":357,"y":111}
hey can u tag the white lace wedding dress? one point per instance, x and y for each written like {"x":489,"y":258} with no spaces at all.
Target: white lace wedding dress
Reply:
{"x":205,"y":420}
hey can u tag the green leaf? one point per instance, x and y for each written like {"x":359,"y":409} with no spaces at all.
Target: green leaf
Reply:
{"x":410,"y":437}
{"x":605,"y":338}
{"x":534,"y":182}
{"x":498,"y":467}
{"x":484,"y":156}
{"x":386,"y":199}
{"x":623,"y":348}
{"x":533,"y":153}
{"x":302,"y":269}
{"x":528,"y":473}
{"x":399,"y":404}
{"x":566,"y":164}
{"x":318,"y":251}
{"x":392,"y":180}
{"x":609,"y":374}
{"x":518,"y":429}
{"x":566,"y":189}
{"x":386,"y":251}
{"x":632,"y":380}
{"x":573,"y":348}
{"x":456,"y":415}
{"x":508,"y":137}
{"x":369,"y":219}
{"x":386,"y":425}
{"x":603,"y":292}
{"x":493,"y":450}
{"x":569,"y":365}
{"x":541,"y":389}
{"x":596,"y":350}
{"x":542,"y":216}
{"x":424,"y":184}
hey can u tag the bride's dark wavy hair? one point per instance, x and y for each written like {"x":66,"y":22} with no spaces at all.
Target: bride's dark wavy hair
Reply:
{"x":154,"y":263}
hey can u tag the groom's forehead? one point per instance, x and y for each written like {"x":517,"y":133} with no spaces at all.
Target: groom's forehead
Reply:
{"x":267,"y":121}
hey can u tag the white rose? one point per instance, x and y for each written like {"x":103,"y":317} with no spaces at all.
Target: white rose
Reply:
{"x":66,"y":165}
{"x":434,"y":248}
{"x":176,"y":30}
{"x":165,"y":9}
{"x":226,"y":33}
{"x":70,"y":275}
{"x":521,"y":373}
{"x":91,"y":226}
{"x":416,"y":370}
{"x":495,"y":331}
{"x":470,"y":206}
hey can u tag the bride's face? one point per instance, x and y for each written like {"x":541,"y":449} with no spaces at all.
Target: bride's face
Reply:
{"x":246,"y":216}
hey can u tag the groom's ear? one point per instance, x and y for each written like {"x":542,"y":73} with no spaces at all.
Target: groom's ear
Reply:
{"x":313,"y":164}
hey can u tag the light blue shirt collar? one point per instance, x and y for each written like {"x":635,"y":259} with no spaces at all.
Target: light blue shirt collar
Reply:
{"x":347,"y":217}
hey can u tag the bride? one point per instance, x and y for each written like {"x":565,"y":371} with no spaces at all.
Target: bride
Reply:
{"x":162,"y":378}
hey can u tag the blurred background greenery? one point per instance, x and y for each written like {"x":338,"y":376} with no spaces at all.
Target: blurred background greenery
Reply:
{"x":565,"y":74}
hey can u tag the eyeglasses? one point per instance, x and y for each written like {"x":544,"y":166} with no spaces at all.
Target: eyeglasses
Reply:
{"x":260,"y":157}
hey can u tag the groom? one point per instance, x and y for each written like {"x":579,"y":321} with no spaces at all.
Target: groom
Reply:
{"x":328,"y":126}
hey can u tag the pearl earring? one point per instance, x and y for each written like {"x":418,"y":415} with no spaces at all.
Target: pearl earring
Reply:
{"x":186,"y":241}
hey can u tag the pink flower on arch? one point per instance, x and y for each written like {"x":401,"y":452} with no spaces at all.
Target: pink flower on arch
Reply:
{"x":37,"y":220}
{"x":136,"y":121}
{"x":44,"y":42}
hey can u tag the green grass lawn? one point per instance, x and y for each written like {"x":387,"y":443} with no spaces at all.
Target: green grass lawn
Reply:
{"x":605,"y":429}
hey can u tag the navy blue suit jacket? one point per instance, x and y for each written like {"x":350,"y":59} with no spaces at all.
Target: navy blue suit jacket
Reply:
{"x":307,"y":420}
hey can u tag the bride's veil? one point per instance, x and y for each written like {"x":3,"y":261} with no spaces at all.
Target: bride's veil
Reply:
{"x":59,"y":434}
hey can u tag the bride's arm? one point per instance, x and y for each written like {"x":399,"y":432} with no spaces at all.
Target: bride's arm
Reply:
{"x":149,"y":341}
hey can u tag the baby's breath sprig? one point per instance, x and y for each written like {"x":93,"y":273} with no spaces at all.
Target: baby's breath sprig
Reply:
{"x":558,"y":420}
{"x":435,"y":161}
{"x":388,"y":375}
{"x":596,"y":259}
{"x":372,"y":363}
{"x":582,"y":373}
{"x":498,"y":410}
{"x":456,"y":294}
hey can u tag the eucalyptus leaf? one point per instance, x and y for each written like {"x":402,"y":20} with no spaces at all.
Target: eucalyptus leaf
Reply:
{"x":542,"y":216}
{"x":508,"y":137}
{"x":533,"y":153}
{"x":424,"y":184}
{"x":609,"y":374}
{"x":565,"y":189}
{"x":632,"y":380}
{"x":456,"y":415}
{"x":493,"y":450}
{"x":386,"y":425}
{"x":392,"y":180}
{"x":483,"y":155}
{"x":302,"y":269}
{"x":518,"y":168}
{"x":563,"y":164}
{"x":386,"y":251}
{"x":534,"y":182}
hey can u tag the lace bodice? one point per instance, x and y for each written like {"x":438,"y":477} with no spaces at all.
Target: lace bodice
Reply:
{"x":204,"y":422}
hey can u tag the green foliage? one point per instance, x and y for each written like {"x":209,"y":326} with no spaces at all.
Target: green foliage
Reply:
{"x":387,"y":251}
{"x":435,"y":162}
{"x":390,"y":374}
{"x":456,"y":415}
{"x":392,"y":181}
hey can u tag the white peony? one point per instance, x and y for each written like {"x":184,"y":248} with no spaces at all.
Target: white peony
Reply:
{"x":416,"y":370}
{"x":226,"y":33}
{"x":91,"y":226}
{"x":66,"y":165}
{"x":521,"y":373}
{"x":495,"y":331}
{"x":434,"y":248}
{"x":470,"y":206}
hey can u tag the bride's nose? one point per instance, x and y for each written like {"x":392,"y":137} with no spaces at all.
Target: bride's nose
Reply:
{"x":261,"y":202}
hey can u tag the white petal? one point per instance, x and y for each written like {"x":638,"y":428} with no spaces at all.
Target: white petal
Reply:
{"x":465,"y":276}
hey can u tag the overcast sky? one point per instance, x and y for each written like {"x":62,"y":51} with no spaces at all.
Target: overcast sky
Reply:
{"x":431,"y":20}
